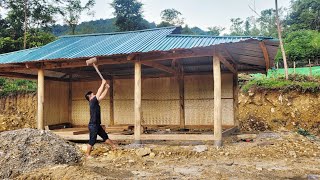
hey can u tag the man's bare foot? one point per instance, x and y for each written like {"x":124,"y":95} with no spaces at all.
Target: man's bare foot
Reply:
{"x":89,"y":157}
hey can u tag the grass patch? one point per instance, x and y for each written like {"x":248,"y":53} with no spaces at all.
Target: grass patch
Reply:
{"x":15,"y":86}
{"x":296,"y":82}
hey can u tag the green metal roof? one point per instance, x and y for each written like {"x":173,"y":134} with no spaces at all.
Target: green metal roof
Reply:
{"x":107,"y":44}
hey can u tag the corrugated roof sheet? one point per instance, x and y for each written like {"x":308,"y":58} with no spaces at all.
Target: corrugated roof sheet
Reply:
{"x":79,"y":46}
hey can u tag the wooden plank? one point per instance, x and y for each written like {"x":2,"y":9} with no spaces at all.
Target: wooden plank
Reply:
{"x":40,"y":99}
{"x":217,"y":101}
{"x":170,"y":137}
{"x":265,"y":54}
{"x":137,"y":102}
{"x":179,"y":137}
{"x":159,"y":66}
{"x":226,"y":63}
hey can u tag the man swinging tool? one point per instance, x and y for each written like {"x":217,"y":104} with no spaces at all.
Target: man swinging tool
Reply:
{"x":95,"y":112}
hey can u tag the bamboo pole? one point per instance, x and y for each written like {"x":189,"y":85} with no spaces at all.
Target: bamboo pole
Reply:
{"x":217,"y":102}
{"x":137,"y":102}
{"x":40,"y":98}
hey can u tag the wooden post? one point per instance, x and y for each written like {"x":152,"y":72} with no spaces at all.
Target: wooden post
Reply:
{"x":181,"y":98}
{"x":137,"y":102}
{"x":310,"y":68}
{"x":294,"y":67}
{"x":235,"y":99}
{"x":217,"y":102}
{"x":111,"y":102}
{"x":40,"y":98}
{"x":70,"y":100}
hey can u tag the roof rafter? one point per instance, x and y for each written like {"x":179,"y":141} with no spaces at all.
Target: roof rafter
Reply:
{"x":159,"y":66}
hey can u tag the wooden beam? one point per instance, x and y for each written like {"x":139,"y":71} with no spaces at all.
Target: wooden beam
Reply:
{"x":137,"y":102}
{"x":265,"y":54}
{"x":40,"y":99}
{"x":28,"y":76}
{"x":217,"y":101}
{"x":111,"y":95}
{"x":159,"y":66}
{"x":226,"y":63}
{"x":63,"y":64}
{"x":227,"y":53}
{"x":176,"y":54}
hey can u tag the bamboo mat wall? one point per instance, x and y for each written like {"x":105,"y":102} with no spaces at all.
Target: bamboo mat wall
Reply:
{"x":56,"y":95}
{"x":160,"y":101}
{"x":199,"y":101}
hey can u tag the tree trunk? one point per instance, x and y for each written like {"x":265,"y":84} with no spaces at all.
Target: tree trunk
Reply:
{"x":25,"y":24}
{"x":281,"y":43}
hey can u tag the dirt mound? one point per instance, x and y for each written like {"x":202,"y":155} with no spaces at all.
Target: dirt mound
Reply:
{"x":18,"y":111}
{"x":273,"y":110}
{"x":28,"y":149}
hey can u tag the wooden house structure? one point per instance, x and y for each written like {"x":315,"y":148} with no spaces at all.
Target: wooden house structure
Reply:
{"x":157,"y":77}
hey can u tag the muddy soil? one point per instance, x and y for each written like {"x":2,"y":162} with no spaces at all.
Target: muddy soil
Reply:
{"x":272,"y":155}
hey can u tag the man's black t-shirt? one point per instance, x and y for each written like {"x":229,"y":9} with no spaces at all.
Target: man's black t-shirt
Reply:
{"x":95,"y":115}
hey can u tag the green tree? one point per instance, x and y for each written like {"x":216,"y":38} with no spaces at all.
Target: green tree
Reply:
{"x":300,"y":46}
{"x":236,"y":27}
{"x":187,"y":30}
{"x":304,"y":14}
{"x":267,"y":22}
{"x":171,"y":17}
{"x":72,"y":12}
{"x":128,"y":14}
{"x":215,"y":30}
{"x":25,"y":15}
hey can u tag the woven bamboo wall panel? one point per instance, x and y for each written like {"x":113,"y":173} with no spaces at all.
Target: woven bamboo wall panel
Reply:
{"x":123,"y":111}
{"x":165,"y":112}
{"x":123,"y":89}
{"x":81,"y":112}
{"x":201,"y":86}
{"x":200,"y":112}
{"x":79,"y":89}
{"x":160,"y":89}
{"x":56,"y":96}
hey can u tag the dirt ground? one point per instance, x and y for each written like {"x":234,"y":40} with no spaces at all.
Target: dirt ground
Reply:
{"x":271,"y":155}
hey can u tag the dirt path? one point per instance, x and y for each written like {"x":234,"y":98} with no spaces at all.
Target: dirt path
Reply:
{"x":283,"y":155}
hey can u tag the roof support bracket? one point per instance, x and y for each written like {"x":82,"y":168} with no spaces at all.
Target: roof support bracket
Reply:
{"x":265,"y":54}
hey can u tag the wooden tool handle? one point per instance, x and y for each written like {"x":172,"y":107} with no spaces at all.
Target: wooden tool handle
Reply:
{"x":94,"y":65}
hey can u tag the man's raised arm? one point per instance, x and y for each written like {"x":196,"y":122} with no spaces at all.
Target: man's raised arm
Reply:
{"x":104,"y":93}
{"x":99,"y":92}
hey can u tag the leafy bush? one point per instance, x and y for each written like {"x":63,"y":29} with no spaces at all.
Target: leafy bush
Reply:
{"x":11,"y":86}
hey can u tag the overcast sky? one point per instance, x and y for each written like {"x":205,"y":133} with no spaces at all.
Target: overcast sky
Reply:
{"x":201,"y":13}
